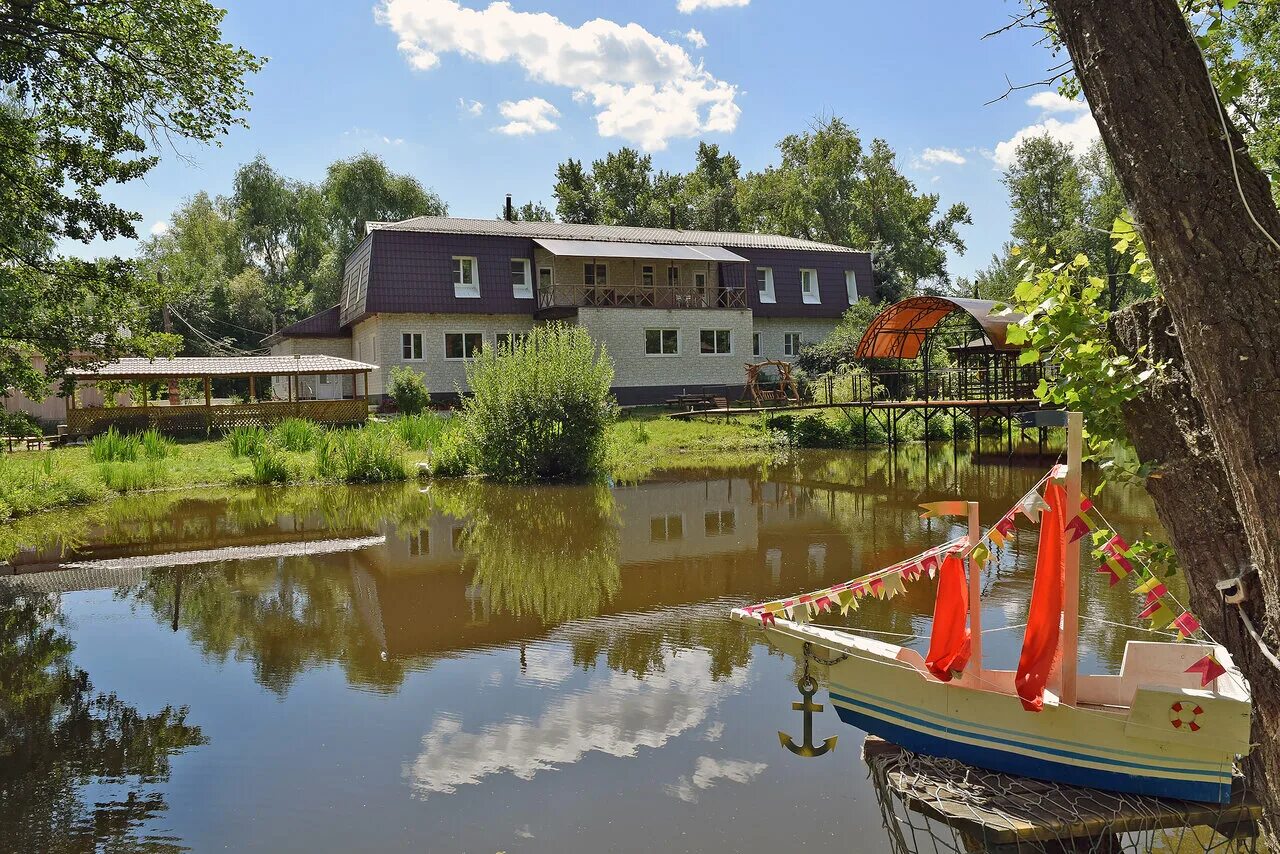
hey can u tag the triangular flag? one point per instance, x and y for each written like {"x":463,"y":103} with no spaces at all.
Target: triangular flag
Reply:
{"x":767,"y":618}
{"x":823,"y":604}
{"x":1187,"y":625}
{"x":1152,"y":588}
{"x":1116,"y":546}
{"x":1032,"y":505}
{"x":1208,"y":668}
{"x":877,"y":587}
{"x":930,"y":563}
{"x":1085,"y":504}
{"x":1077,"y":528}
{"x":1006,"y":526}
{"x":858,"y":589}
{"x":846,"y":600}
{"x":1160,"y":615}
{"x":981,"y":554}
{"x":893,"y":586}
{"x":997,"y":539}
{"x":1110,"y":567}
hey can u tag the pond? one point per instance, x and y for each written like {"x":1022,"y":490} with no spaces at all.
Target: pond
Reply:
{"x":469,"y":667}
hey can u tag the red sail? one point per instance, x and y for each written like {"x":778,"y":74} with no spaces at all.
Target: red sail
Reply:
{"x":949,"y":645}
{"x":1041,"y":644}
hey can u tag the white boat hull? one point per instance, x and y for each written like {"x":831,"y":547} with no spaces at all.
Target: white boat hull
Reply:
{"x":1121,"y":736}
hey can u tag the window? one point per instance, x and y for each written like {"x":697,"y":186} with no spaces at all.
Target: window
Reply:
{"x":718,"y":522}
{"x":851,"y":286}
{"x":673,"y":277}
{"x":509,"y":340}
{"x":665,"y":528}
{"x":661,"y":342}
{"x":411,"y":346}
{"x":809,"y":286}
{"x":544,"y":277}
{"x":646,"y":276}
{"x":466,"y":279}
{"x":764,"y":282}
{"x":521,"y":282}
{"x":715,"y":341}
{"x":791,"y":344}
{"x":420,"y":543}
{"x":700,"y":282}
{"x":462,"y":345}
{"x":595,"y":274}
{"x":757,"y":347}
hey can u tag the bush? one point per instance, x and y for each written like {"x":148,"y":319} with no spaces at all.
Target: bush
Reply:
{"x":449,"y":455}
{"x":810,"y":431}
{"x":539,"y":410}
{"x":18,"y":424}
{"x":114,"y":447}
{"x":270,"y":466}
{"x":296,"y":434}
{"x":419,"y":431}
{"x":368,"y":455}
{"x":408,"y":390}
{"x":246,"y":441}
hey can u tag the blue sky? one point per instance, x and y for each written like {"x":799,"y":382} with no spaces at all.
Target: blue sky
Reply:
{"x":403,"y":78}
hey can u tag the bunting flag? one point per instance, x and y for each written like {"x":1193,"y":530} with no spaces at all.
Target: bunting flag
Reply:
{"x":1187,"y":625}
{"x":1160,"y":614}
{"x":1002,"y":531}
{"x":893,"y":586}
{"x":930,"y":564}
{"x":1116,"y":547}
{"x":981,"y":554}
{"x":1208,"y":668}
{"x":1113,"y":568}
{"x":1153,"y":588}
{"x":1032,"y":505}
{"x":1078,"y":527}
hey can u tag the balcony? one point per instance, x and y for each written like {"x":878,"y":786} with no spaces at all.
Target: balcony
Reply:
{"x":561,"y":296}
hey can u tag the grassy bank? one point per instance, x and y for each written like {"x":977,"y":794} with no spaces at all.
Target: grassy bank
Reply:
{"x":641,"y":443}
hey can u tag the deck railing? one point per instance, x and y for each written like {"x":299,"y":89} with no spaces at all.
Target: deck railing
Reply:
{"x":198,"y":419}
{"x":947,"y":384}
{"x":562,"y":295}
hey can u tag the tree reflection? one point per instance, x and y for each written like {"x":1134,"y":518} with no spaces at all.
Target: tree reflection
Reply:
{"x":549,"y":552}
{"x":59,"y":739}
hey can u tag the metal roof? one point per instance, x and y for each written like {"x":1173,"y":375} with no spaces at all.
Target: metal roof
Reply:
{"x":622,"y":249}
{"x":901,"y":328}
{"x":322,"y":324}
{"x":132,"y":368}
{"x":611,"y":233}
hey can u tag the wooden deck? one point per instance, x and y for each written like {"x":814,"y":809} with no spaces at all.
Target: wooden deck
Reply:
{"x":198,"y":419}
{"x":1001,"y":406}
{"x":1010,"y":813}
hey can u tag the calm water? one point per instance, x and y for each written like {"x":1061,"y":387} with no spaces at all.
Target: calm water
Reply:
{"x":470,"y":668}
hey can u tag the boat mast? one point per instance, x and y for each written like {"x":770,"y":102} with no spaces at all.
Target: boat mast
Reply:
{"x":1071,"y":578}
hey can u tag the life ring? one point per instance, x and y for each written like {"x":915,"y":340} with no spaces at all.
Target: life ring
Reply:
{"x":1185,"y":715}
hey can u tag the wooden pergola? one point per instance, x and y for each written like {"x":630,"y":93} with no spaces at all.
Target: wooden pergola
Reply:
{"x":177,"y":417}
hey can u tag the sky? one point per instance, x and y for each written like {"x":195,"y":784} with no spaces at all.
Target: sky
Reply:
{"x":478,"y":100}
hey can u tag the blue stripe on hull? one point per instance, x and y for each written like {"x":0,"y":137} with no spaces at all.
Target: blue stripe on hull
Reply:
{"x":1031,"y":766}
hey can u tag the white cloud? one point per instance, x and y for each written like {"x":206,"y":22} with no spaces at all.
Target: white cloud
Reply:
{"x":1052,"y":102}
{"x":1079,"y":132}
{"x":532,"y":115}
{"x":366,"y":136}
{"x":688,"y":6}
{"x":158,"y":228}
{"x":474,"y":108}
{"x":645,"y":89}
{"x":707,"y":771}
{"x":696,"y":38}
{"x":935,"y":156}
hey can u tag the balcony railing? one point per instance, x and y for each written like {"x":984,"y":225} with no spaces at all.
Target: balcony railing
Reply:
{"x":639,"y":296}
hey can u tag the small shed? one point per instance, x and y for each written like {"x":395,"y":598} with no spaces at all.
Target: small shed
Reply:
{"x":306,"y":394}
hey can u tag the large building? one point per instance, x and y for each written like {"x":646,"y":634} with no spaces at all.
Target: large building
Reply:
{"x":676,"y":310}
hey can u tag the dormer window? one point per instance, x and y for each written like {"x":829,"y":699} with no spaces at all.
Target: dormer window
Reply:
{"x":809,"y":286}
{"x":764,"y":283}
{"x":521,"y":279}
{"x":466,"y":277}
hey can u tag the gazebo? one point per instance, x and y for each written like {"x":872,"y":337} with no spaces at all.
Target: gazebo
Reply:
{"x":306,"y":384}
{"x":986,"y":365}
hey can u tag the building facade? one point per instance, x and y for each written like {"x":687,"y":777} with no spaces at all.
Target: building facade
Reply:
{"x":677,"y":311}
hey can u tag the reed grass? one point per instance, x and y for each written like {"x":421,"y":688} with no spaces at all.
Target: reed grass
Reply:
{"x":296,"y":434}
{"x":246,"y":441}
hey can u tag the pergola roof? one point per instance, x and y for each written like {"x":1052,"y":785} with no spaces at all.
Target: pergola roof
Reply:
{"x":900,"y":329}
{"x":139,"y":368}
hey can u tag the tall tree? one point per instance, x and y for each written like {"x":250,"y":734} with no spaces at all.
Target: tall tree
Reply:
{"x":623,"y":185}
{"x":362,"y":189}
{"x":1046,"y":193}
{"x":268,"y":214}
{"x":89,"y":87}
{"x":710,"y":190}
{"x":575,"y":194}
{"x":1209,"y":220}
{"x":829,"y":188}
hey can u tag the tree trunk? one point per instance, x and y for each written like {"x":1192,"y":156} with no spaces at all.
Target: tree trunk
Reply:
{"x":1193,"y":499}
{"x":1155,"y":107}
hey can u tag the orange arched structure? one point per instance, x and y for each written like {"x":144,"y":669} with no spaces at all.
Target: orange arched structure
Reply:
{"x":901,"y":329}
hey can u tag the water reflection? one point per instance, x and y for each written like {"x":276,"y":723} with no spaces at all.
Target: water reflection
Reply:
{"x":79,"y":769}
{"x":497,"y":636}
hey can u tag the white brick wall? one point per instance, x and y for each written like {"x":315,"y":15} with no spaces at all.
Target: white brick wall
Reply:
{"x":773,"y":329}
{"x":622,"y":331}
{"x":381,"y":335}
{"x":305,"y":346}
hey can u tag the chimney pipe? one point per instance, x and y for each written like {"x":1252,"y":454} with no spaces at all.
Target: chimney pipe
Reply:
{"x":508,"y":211}
{"x":673,"y":217}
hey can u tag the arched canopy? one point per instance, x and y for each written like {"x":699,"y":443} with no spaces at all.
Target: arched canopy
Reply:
{"x":900,"y":330}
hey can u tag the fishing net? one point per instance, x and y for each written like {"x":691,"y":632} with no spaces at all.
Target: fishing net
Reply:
{"x":932,"y":805}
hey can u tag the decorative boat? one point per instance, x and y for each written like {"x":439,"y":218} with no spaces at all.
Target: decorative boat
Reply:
{"x":1171,"y":723}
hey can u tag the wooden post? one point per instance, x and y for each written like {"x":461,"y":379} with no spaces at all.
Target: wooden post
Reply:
{"x":253,"y":394}
{"x":208,"y":393}
{"x":975,"y":597}
{"x":1071,"y":580}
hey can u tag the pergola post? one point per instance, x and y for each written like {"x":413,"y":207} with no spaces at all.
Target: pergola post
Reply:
{"x":253,"y":394}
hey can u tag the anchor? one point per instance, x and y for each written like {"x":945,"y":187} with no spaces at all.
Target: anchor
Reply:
{"x":808,"y":687}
